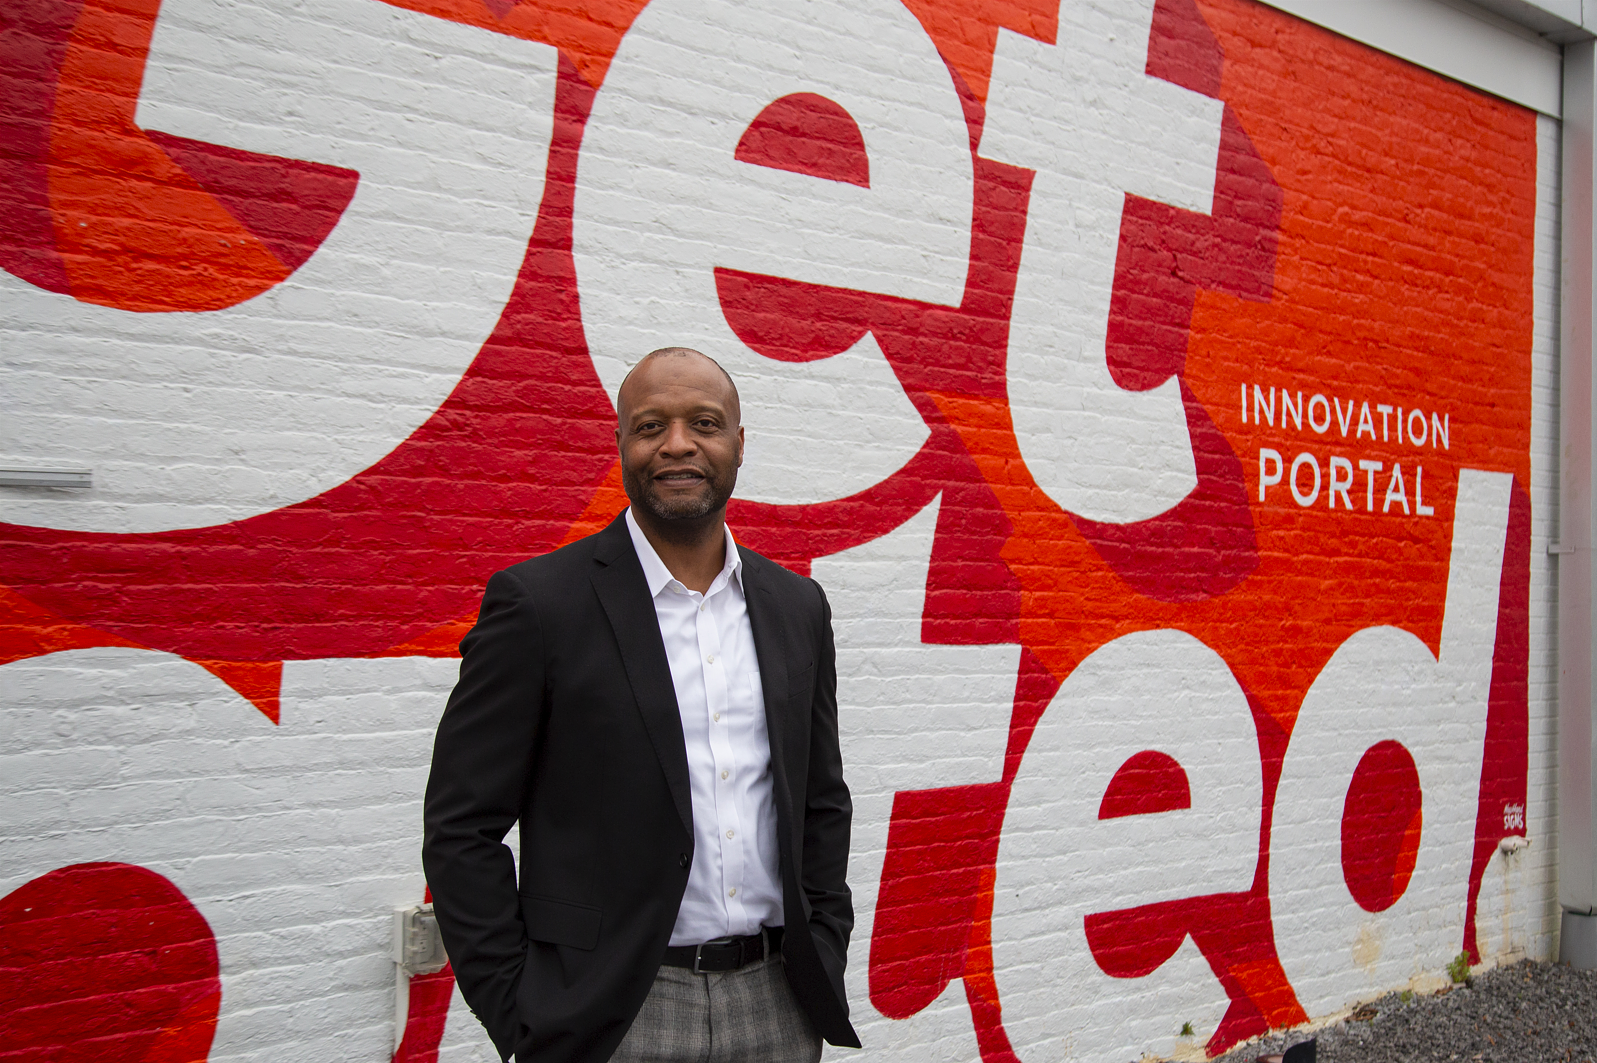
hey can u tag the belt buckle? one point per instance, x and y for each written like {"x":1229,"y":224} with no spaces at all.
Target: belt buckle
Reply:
{"x":698,"y":953}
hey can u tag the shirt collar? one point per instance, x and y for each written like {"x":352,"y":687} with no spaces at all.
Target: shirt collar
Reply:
{"x":659,"y":577}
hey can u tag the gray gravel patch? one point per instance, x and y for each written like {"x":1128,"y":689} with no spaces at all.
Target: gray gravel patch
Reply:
{"x":1525,"y":1013}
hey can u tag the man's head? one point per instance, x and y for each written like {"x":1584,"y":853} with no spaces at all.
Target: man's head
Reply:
{"x":680,"y":435}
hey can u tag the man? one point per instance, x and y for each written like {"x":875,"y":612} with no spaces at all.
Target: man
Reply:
{"x":657,"y":708}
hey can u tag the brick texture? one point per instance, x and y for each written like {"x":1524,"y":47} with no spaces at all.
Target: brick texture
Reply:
{"x":1163,"y":390}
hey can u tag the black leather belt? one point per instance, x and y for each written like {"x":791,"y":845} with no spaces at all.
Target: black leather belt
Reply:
{"x":725,"y":954}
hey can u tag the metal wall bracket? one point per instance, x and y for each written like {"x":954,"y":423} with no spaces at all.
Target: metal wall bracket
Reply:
{"x":69,"y":479}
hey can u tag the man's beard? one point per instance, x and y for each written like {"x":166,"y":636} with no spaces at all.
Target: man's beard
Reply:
{"x":641,"y":491}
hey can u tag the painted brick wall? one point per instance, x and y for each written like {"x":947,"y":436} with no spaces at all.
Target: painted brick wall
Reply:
{"x":1163,"y":391}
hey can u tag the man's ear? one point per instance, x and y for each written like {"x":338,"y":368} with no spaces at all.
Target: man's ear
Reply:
{"x":740,"y":445}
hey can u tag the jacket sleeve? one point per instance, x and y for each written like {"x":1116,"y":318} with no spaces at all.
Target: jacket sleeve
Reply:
{"x":828,"y":812}
{"x":481,"y":759}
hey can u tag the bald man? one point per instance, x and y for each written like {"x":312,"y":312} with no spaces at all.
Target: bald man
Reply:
{"x":656,"y":707}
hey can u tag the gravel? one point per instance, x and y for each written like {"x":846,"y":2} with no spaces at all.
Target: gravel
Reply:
{"x":1525,"y":1013}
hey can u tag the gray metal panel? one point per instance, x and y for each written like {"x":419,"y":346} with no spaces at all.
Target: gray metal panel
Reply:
{"x":1561,"y":21}
{"x":1577,"y":815}
{"x":1577,"y":940}
{"x":1464,"y":41}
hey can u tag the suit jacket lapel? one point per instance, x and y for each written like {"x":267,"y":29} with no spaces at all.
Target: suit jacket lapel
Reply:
{"x":771,"y":649}
{"x":619,"y":582}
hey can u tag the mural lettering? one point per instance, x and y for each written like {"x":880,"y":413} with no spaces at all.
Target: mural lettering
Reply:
{"x":1151,"y":398}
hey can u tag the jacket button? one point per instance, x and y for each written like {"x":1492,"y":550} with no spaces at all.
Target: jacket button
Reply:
{"x":683,"y":861}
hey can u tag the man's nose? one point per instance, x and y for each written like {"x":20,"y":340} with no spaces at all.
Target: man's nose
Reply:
{"x":678,"y":440}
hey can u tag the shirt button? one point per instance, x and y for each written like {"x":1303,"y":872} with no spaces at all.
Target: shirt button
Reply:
{"x":724,"y":774}
{"x":733,"y":892}
{"x":683,"y":861}
{"x":729,"y":834}
{"x":717,"y":717}
{"x":711,"y":658}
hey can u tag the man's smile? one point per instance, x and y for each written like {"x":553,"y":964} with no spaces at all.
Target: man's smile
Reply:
{"x":680,"y":476}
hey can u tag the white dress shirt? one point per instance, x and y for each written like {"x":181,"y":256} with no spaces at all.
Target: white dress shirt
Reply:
{"x":734,"y":885}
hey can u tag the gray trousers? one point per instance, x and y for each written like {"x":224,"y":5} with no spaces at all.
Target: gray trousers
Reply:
{"x":743,"y":1016}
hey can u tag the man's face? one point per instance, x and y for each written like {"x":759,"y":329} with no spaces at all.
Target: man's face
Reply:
{"x":679,"y":437}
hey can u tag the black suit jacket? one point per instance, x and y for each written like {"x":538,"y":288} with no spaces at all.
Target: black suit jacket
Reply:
{"x":565,"y":719}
